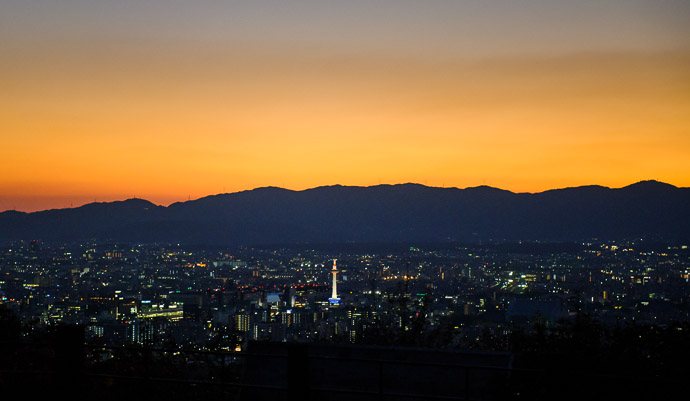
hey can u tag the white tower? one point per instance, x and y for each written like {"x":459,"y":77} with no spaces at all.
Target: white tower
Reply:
{"x":334,"y":294}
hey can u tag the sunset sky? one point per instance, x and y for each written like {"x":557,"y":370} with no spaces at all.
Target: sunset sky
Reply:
{"x":169,"y":100}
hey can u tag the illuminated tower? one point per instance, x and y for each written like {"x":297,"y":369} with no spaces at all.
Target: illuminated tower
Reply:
{"x":334,"y":300}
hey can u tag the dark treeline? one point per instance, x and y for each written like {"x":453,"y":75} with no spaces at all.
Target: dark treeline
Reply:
{"x":576,"y":359}
{"x":572,"y":359}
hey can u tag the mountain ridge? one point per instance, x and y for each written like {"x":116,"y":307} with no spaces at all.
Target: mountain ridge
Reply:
{"x":381,"y":213}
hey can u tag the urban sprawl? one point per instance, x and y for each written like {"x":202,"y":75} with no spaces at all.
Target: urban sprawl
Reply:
{"x":436,"y":295}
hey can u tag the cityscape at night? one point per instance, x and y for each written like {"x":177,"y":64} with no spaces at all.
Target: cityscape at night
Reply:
{"x":387,"y":200}
{"x":187,"y":296}
{"x":492,"y":298}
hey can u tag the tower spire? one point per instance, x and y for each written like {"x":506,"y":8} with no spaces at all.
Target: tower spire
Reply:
{"x":334,"y":300}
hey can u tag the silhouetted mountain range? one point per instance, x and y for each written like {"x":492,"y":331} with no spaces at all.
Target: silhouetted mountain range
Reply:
{"x":383,"y":213}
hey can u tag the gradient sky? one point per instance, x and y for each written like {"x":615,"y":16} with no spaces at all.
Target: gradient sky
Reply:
{"x":168,"y":99}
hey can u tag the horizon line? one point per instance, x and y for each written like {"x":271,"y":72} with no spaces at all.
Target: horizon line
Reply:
{"x":134,"y":197}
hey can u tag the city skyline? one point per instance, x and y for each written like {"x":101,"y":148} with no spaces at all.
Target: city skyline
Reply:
{"x":517,"y":300}
{"x":169,"y":101}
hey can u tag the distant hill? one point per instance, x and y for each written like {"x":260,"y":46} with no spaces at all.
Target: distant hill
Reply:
{"x":382,"y":213}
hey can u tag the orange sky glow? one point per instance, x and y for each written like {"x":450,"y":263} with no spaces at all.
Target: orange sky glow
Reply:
{"x":167,"y":118}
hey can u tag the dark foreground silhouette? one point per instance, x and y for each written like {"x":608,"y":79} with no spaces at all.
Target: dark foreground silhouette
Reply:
{"x":573,"y":360}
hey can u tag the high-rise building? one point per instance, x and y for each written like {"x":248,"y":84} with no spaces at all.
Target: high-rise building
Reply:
{"x":241,"y":321}
{"x":334,"y":300}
